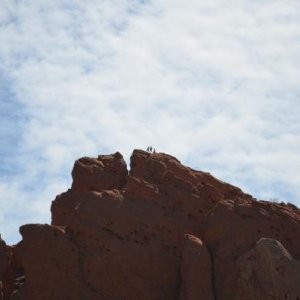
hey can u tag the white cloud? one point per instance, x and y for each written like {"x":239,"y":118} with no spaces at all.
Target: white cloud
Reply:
{"x":215,"y":84}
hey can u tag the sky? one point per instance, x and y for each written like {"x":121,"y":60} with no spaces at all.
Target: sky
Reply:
{"x":214,"y":83}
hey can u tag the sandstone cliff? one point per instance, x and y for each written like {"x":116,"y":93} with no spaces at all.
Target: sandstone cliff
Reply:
{"x":158,"y":231}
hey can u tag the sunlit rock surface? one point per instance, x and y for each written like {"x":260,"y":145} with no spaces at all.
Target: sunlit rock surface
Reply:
{"x":158,"y":231}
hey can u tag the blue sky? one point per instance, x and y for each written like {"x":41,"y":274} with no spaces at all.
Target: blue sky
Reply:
{"x":214,"y":83}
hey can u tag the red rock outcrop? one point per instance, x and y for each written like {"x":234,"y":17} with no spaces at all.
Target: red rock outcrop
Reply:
{"x":196,"y":271}
{"x":4,"y":264}
{"x":104,"y":173}
{"x":11,"y":271}
{"x":160,"y":231}
{"x":267,"y":271}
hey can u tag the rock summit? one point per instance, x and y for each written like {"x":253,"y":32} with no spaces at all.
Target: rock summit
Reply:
{"x":160,"y":231}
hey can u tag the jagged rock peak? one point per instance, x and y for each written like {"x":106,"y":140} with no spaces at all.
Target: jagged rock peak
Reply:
{"x":96,"y":174}
{"x":158,"y":231}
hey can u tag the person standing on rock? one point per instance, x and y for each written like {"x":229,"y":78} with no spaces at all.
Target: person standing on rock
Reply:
{"x":151,"y":149}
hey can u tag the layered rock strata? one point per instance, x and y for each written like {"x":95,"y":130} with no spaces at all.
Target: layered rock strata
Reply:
{"x":160,"y":231}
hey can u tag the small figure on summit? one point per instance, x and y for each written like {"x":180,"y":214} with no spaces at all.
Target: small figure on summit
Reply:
{"x":150,"y":149}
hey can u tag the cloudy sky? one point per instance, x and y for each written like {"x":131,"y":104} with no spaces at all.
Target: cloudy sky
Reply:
{"x":215,"y":83}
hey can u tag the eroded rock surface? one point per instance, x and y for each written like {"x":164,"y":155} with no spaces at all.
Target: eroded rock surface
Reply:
{"x":103,"y":173}
{"x":51,"y":263}
{"x":160,"y":231}
{"x":267,"y":271}
{"x":196,"y":271}
{"x":4,"y":265}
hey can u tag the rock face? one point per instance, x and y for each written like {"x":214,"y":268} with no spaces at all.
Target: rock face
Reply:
{"x":267,"y":271}
{"x":4,"y":263}
{"x":11,"y":271}
{"x":196,"y":270}
{"x":160,"y":231}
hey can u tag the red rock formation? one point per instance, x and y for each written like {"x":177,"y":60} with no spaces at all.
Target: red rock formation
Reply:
{"x":267,"y":271}
{"x":51,"y":263}
{"x":4,"y":263}
{"x":163,"y":231}
{"x":11,"y":271}
{"x":234,"y":228}
{"x":196,"y":271}
{"x":104,"y":173}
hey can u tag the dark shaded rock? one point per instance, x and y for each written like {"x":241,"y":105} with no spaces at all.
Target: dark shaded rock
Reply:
{"x":5,"y":254}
